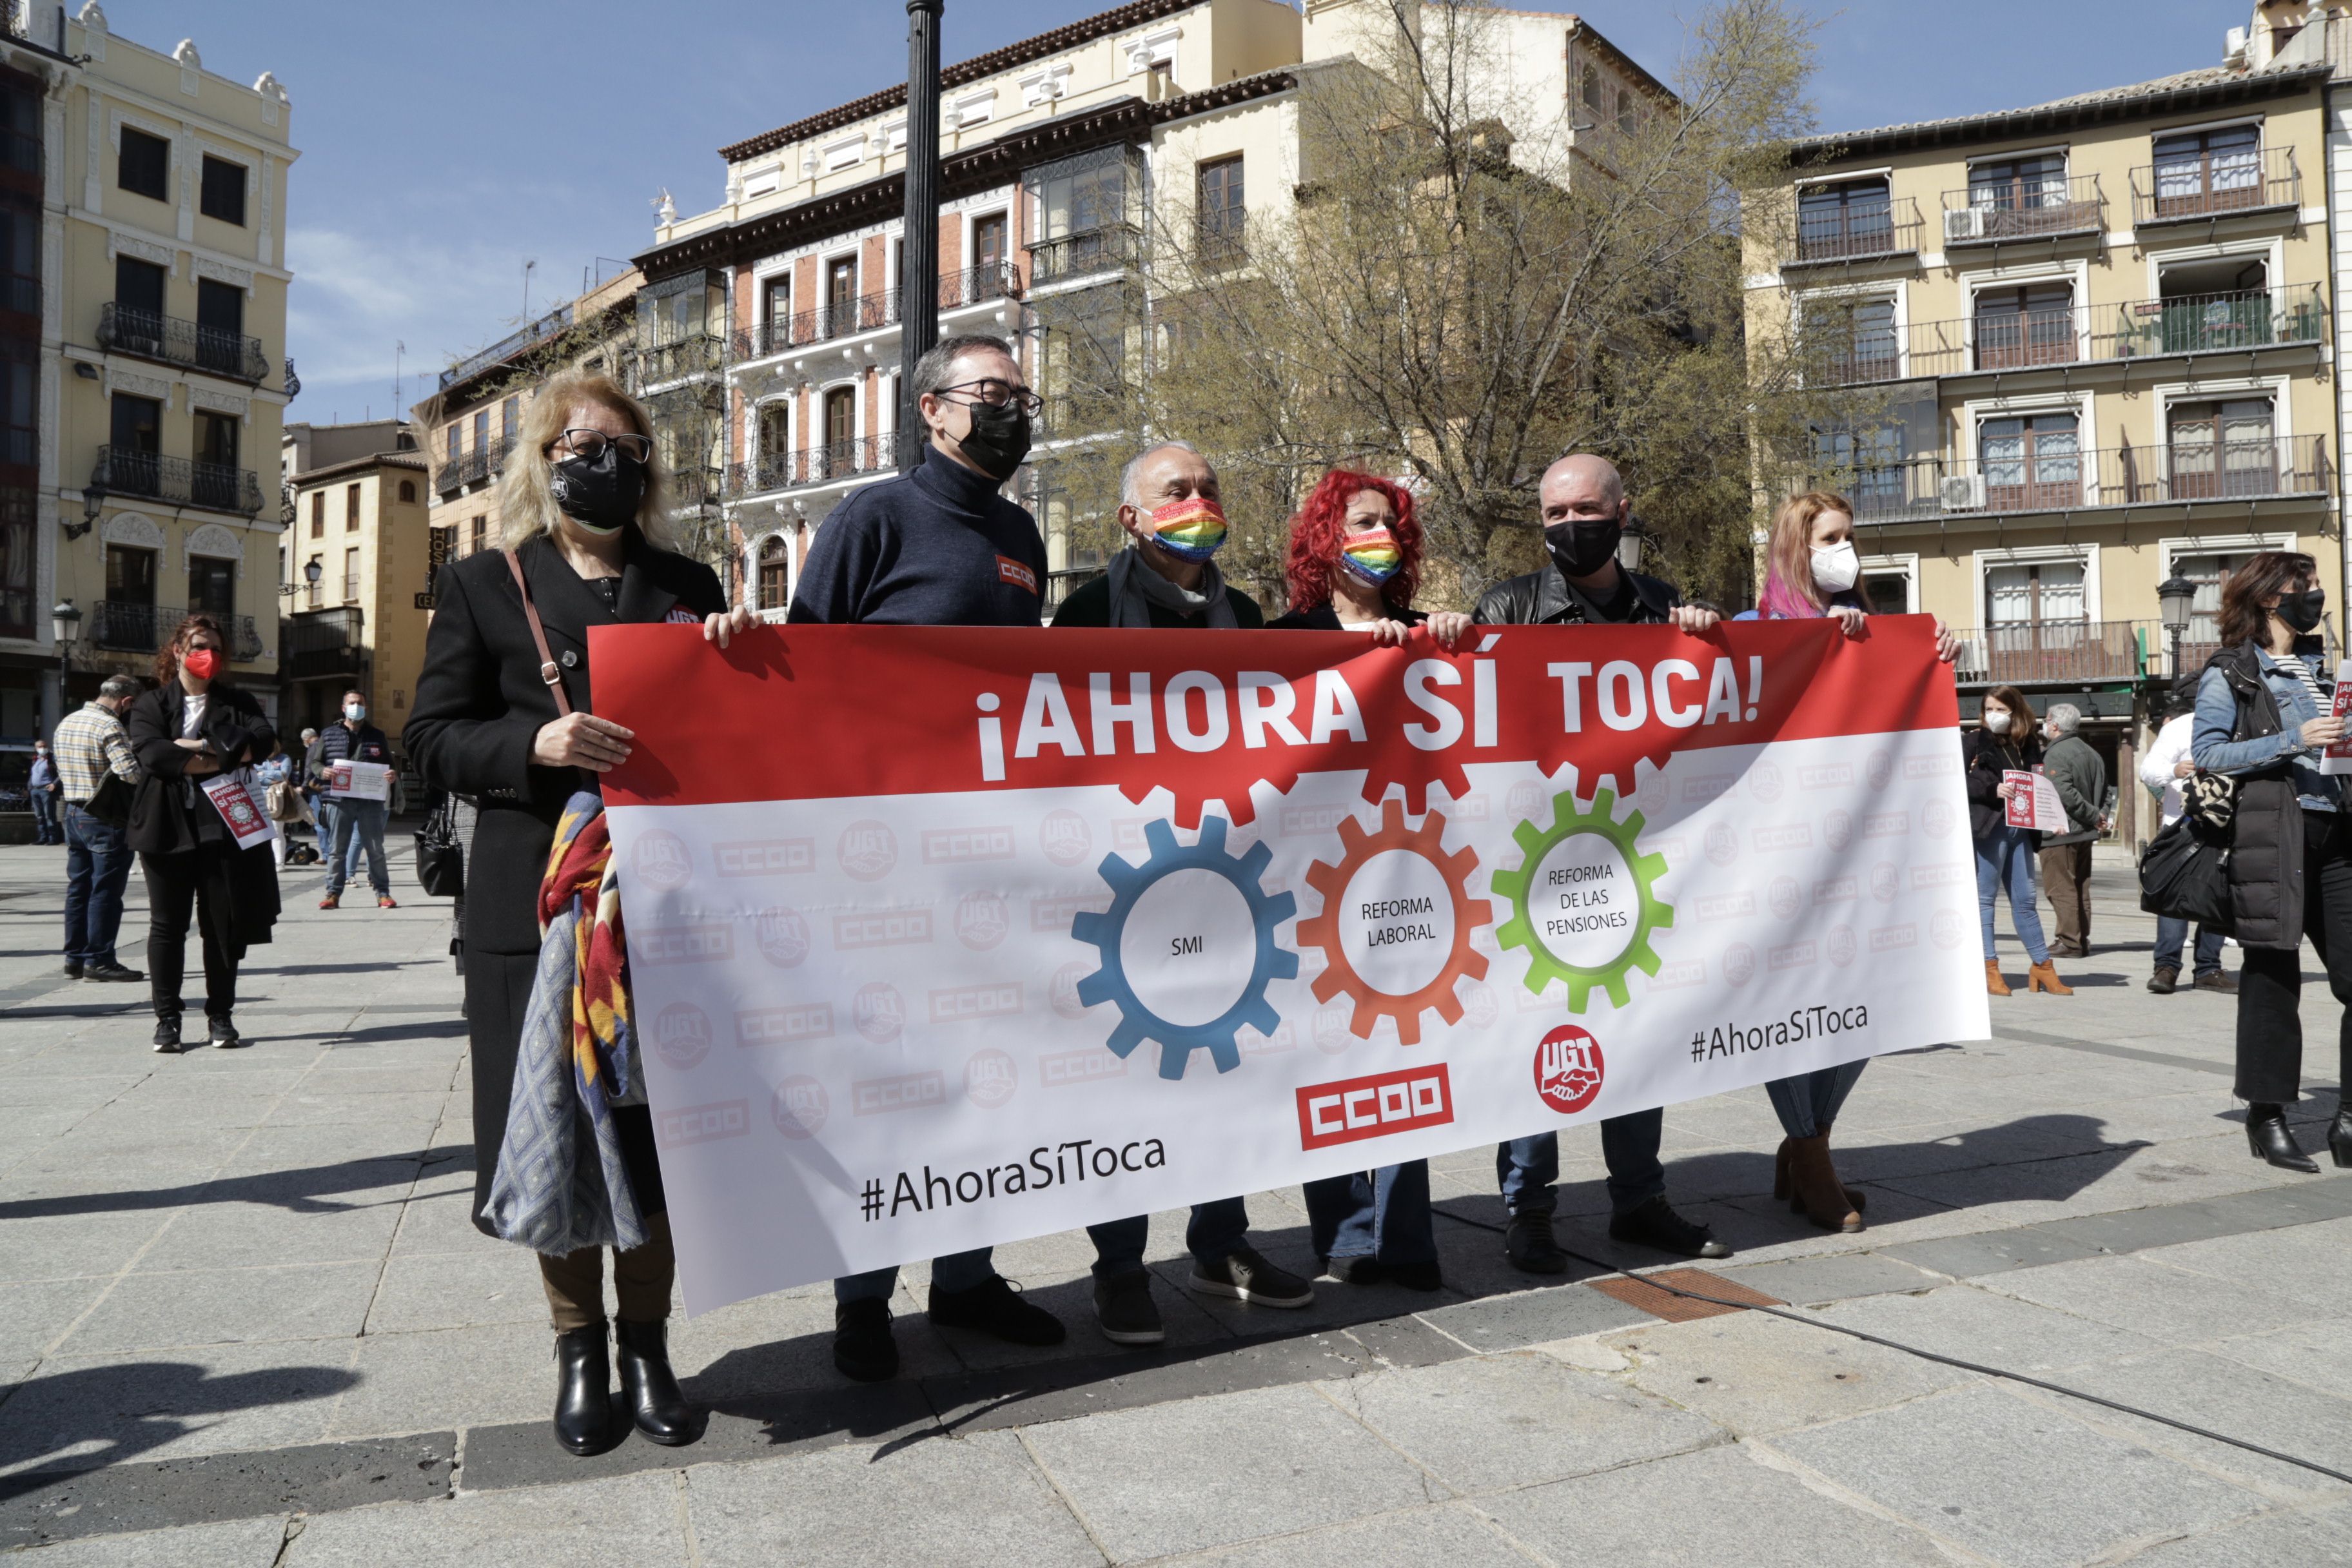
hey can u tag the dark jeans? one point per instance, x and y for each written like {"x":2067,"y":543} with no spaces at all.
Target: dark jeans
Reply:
{"x":955,"y":1271}
{"x":359,"y":823}
{"x":1810,"y":1101}
{"x":2270,"y":983}
{"x":1527,"y":1167}
{"x":98,"y":867}
{"x":45,"y":817}
{"x":2171,"y":934}
{"x":1382,"y":1214}
{"x":1217,"y":1231}
{"x":179,"y":885}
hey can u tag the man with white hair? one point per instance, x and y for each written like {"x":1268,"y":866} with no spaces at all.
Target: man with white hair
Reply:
{"x":2080,"y":779}
{"x":1172,"y":509}
{"x":1585,"y":509}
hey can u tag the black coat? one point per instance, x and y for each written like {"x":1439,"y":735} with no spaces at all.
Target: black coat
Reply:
{"x":1985,"y":757}
{"x":1541,"y":598}
{"x":165,"y":823}
{"x":2266,"y":841}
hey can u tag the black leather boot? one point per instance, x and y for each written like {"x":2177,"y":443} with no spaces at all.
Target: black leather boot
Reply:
{"x":649,"y":1388}
{"x":2267,"y":1135}
{"x":2339,"y":1137}
{"x":1528,"y":1243}
{"x":583,"y":1392}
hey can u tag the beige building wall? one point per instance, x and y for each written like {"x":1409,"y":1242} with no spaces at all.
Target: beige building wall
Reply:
{"x":365,"y":523}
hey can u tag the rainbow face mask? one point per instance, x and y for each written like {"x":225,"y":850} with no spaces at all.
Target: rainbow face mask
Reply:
{"x":1373,"y":555}
{"x":1190,"y":530}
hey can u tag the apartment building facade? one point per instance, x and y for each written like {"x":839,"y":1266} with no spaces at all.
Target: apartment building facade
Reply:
{"x":1064,"y":160}
{"x":353,"y":574}
{"x":2088,"y":349}
{"x":146,"y":376}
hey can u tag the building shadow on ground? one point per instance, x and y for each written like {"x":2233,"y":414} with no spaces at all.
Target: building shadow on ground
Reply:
{"x":132,"y":1407}
{"x":309,"y":1189}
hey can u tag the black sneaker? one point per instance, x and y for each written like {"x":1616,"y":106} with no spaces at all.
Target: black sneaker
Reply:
{"x":223,"y":1033}
{"x":110,"y":971}
{"x":1528,"y":1243}
{"x":1416,"y":1276}
{"x":1655,"y":1224}
{"x":1126,"y":1313}
{"x":862,"y":1345}
{"x":73,"y":969}
{"x":167,"y":1035}
{"x":1245,"y":1276}
{"x":996,"y":1307}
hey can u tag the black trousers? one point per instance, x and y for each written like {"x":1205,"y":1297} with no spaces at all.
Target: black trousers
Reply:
{"x":2270,"y":985}
{"x":180,"y":886}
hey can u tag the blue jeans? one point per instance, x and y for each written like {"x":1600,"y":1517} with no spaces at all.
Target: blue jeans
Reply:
{"x":45,"y":817}
{"x":1217,"y":1231}
{"x":2171,"y":934}
{"x":358,"y":823}
{"x":2006,"y":859}
{"x":1810,"y":1101}
{"x":1382,"y":1214}
{"x":1527,"y":1167}
{"x":956,"y":1272}
{"x":98,"y":865}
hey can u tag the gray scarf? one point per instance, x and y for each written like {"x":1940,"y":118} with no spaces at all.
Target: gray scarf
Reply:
{"x":1135,"y":587}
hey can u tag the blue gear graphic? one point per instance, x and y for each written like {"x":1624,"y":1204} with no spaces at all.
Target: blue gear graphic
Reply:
{"x":1103,"y":931}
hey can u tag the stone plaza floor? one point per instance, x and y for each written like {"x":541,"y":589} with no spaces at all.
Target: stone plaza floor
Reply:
{"x":244,"y":1323}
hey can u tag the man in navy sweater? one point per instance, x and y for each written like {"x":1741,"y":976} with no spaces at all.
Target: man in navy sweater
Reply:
{"x":938,"y":547}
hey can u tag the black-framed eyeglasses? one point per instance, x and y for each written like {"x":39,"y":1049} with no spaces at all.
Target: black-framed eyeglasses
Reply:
{"x":581,"y":442}
{"x":994,"y":394}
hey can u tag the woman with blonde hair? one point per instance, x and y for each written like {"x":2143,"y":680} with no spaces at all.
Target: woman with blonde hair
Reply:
{"x":582,"y":524}
{"x":1812,"y":572}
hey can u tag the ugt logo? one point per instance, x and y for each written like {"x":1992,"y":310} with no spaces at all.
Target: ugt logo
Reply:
{"x":682,"y":1034}
{"x":663,"y":861}
{"x":868,"y":849}
{"x":1569,"y":1068}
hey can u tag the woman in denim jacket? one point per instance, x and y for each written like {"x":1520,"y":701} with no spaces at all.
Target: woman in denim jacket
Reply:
{"x":2262,"y":719}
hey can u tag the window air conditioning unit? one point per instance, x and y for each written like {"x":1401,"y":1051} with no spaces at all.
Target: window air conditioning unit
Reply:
{"x":1962,"y":492}
{"x":1964,"y":223}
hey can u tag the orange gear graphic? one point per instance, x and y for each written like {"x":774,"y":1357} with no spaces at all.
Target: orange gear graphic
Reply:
{"x":1331,"y":880}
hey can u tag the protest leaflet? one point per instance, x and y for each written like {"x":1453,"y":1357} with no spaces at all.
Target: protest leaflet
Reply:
{"x":358,"y":781}
{"x":2034,"y":805}
{"x":943,"y":937}
{"x":247,"y":822}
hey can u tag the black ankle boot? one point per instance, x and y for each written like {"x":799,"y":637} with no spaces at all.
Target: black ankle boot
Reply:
{"x":649,"y":1388}
{"x":2339,"y":1137}
{"x":2267,"y":1136}
{"x":583,"y":1392}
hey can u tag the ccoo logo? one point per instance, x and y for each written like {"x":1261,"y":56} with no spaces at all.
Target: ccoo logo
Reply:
{"x":800,"y":1107}
{"x":662,"y":860}
{"x":682,"y":1034}
{"x":989,"y":1078}
{"x":982,"y":920}
{"x":879,"y":1012}
{"x":1064,"y":838}
{"x":784,"y":937}
{"x":868,"y":849}
{"x":1569,"y":1069}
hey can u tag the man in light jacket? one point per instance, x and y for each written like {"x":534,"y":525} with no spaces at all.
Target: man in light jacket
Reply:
{"x":2082,"y":783}
{"x":2162,"y":767}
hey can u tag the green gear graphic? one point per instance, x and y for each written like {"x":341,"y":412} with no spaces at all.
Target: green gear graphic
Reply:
{"x":1569,"y":820}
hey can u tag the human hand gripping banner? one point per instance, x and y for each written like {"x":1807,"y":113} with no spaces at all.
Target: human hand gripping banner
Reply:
{"x":945,"y":937}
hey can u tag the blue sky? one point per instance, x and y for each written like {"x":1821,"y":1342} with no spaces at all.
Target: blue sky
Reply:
{"x":444,"y":144}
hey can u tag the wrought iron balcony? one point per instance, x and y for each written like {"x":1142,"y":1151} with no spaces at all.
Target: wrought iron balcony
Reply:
{"x":2023,"y":652}
{"x":694,"y":487}
{"x":870,"y":312}
{"x":1111,"y":248}
{"x":2216,"y":184}
{"x":121,"y":626}
{"x":323,"y":642}
{"x":812,"y":465}
{"x":703,"y":353}
{"x":123,"y":330}
{"x":2049,"y":478}
{"x":1857,"y":234}
{"x":215,"y":487}
{"x":1992,"y":213}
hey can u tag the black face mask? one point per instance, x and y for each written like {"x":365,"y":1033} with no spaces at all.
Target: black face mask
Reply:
{"x":2301,"y":611}
{"x":601,"y":495}
{"x":1584,"y":546}
{"x":998,"y":441}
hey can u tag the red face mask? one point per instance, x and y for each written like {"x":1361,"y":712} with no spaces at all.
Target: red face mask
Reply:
{"x":203,"y":663}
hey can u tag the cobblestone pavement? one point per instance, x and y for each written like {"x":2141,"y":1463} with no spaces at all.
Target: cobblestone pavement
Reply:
{"x":244,"y":1321}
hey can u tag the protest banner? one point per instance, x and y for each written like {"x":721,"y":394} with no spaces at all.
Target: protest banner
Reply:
{"x":945,"y":937}
{"x":2034,"y":804}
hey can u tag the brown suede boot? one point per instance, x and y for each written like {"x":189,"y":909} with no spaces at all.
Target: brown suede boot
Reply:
{"x":1819,"y":1194}
{"x":1994,"y":984}
{"x":1856,"y":1198}
{"x":2043,"y":976}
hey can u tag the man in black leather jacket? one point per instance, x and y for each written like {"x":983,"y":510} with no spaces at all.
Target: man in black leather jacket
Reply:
{"x":1584,"y":513}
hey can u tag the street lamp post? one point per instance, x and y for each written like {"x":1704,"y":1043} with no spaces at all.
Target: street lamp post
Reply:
{"x":1631,"y":543}
{"x":918,"y":289}
{"x":2175,"y":594}
{"x":65,"y":629}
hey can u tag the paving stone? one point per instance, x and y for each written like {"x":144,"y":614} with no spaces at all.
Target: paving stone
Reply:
{"x":1453,"y":1533}
{"x":1831,"y":1278}
{"x":977,"y":1500}
{"x":1275,"y":1460}
{"x":1977,"y":1325}
{"x":1491,"y":1422}
{"x":2310,"y":1264}
{"x":1752,"y":1516}
{"x":240,"y":1543}
{"x":632,"y":1519}
{"x":493,"y":1283}
{"x":34,"y":1314}
{"x":77,"y":1412}
{"x":1531,"y":1317}
{"x":1406,"y":1341}
{"x":483,"y":1375}
{"x":2038,"y":1489}
{"x":2178,"y":1305}
{"x":2226,"y":1396}
{"x":1088,"y":1385}
{"x":1990,"y":1252}
{"x":1757,"y":1375}
{"x":2310,"y":1535}
{"x":2310,"y":1353}
{"x":204,"y":1306}
{"x":2134,"y":1230}
{"x":248,"y":1235}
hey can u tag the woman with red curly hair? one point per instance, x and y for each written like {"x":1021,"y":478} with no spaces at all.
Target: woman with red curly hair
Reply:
{"x":1355,"y":560}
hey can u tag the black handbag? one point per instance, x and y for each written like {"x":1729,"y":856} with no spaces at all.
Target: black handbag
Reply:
{"x":2184,"y":874}
{"x":112,"y":804}
{"x":440,"y":859}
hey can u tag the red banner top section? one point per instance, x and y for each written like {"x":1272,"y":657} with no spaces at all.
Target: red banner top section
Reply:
{"x":818,"y":712}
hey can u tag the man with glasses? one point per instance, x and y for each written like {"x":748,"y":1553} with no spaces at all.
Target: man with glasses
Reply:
{"x":938,"y":547}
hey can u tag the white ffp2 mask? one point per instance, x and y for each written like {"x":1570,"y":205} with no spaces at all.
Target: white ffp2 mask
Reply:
{"x":1836,"y":568}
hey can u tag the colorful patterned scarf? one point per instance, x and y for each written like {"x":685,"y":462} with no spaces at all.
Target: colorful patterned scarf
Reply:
{"x":578,"y":1053}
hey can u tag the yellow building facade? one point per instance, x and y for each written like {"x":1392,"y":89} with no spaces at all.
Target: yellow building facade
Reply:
{"x":355,"y":572}
{"x":2081,"y":350}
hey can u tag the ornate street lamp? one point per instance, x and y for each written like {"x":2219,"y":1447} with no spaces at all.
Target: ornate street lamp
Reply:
{"x":1631,"y":543}
{"x":2175,"y":594}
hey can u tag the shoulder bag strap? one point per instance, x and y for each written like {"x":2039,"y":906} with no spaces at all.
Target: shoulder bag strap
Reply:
{"x":547,"y":670}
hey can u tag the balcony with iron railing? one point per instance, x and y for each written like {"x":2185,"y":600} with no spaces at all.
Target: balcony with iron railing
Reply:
{"x":701,"y":353}
{"x":147,"y":335}
{"x":871,"y":312}
{"x":1857,"y":234}
{"x":2044,"y":480}
{"x":2215,"y":185}
{"x":1998,"y":212}
{"x":216,"y":487}
{"x":123,"y":627}
{"x":827,"y":464}
{"x":465,"y":467}
{"x":2186,"y":325}
{"x":1111,"y":248}
{"x":2027,"y":652}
